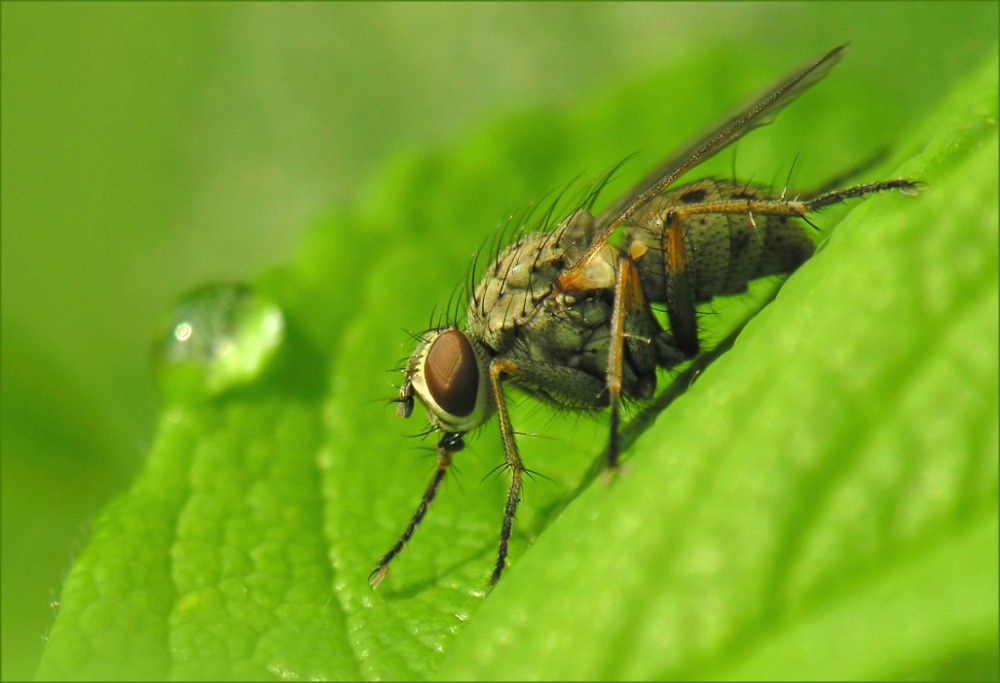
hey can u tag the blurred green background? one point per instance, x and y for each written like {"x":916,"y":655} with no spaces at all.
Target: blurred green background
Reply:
{"x":149,"y":148}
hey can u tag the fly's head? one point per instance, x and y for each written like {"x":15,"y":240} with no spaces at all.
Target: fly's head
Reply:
{"x":448,"y":373}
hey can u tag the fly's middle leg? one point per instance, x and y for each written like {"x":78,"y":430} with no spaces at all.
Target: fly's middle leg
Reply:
{"x":628,"y":309}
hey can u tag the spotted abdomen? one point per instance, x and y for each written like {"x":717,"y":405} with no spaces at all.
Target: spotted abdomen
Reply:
{"x":724,"y":252}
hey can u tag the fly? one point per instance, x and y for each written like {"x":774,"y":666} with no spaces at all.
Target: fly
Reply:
{"x":567,"y":316}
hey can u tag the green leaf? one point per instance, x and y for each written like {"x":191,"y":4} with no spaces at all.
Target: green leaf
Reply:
{"x":820,"y":503}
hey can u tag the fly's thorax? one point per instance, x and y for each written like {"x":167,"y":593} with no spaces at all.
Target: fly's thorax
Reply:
{"x":449,"y":373}
{"x":519,"y":282}
{"x":724,"y":252}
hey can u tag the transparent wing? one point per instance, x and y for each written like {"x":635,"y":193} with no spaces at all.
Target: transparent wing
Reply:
{"x":761,"y":111}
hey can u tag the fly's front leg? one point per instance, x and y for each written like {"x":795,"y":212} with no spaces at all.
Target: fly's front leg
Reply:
{"x":498,"y":368}
{"x":449,"y":444}
{"x":563,"y":385}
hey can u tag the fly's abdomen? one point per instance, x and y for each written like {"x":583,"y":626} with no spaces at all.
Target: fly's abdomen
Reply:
{"x":723,"y":252}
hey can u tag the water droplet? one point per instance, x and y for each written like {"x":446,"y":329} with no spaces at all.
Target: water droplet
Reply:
{"x":219,"y":336}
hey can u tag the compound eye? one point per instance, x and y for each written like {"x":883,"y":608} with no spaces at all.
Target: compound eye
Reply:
{"x":452,"y":374}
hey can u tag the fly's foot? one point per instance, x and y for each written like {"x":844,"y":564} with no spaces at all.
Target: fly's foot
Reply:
{"x":612,"y":472}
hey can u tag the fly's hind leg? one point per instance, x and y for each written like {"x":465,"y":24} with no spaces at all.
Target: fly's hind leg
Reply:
{"x":679,"y":289}
{"x":821,"y":201}
{"x":673,"y":242}
{"x":841,"y":178}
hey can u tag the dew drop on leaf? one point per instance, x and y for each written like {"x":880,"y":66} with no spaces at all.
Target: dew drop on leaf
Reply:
{"x":217,"y":337}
